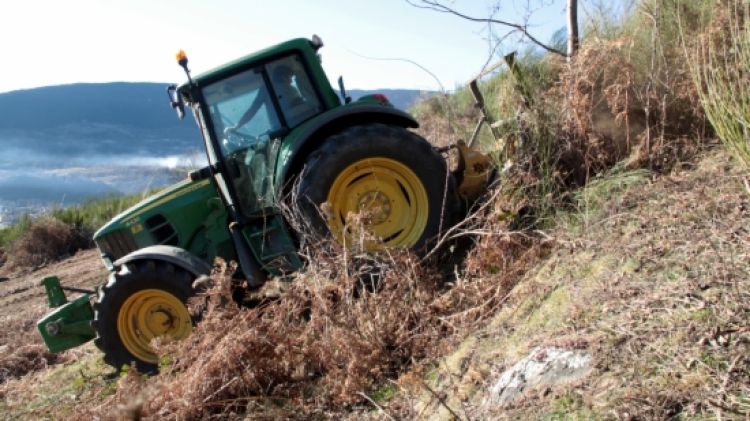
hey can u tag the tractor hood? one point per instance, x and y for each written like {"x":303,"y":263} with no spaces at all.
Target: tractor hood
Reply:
{"x":167,"y":217}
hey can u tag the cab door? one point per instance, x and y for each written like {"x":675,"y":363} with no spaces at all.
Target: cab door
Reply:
{"x":244,"y":121}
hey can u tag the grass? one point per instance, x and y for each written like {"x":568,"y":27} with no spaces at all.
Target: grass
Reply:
{"x":88,"y":216}
{"x":589,"y":201}
{"x":58,"y":392}
{"x":94,"y":213}
{"x":13,"y":232}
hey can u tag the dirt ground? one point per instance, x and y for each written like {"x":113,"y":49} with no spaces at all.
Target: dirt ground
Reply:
{"x":23,"y":301}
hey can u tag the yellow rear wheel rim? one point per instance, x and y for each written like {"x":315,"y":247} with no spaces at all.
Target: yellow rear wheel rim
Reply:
{"x":149,"y":314}
{"x":389,"y":198}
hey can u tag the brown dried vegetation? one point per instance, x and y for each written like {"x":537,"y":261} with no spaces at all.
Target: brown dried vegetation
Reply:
{"x":342,"y":328}
{"x":46,"y":240}
{"x":25,"y":359}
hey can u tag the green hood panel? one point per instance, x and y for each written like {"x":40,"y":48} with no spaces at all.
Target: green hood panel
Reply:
{"x":176,"y":195}
{"x":188,"y":215}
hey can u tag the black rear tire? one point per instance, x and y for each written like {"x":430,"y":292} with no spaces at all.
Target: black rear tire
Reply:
{"x":392,"y":170}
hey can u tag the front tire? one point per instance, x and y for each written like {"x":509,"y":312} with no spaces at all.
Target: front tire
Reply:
{"x":142,"y":300}
{"x":394,"y":179}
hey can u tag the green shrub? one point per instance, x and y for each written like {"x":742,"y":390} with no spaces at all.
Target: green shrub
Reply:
{"x":92,"y":214}
{"x":14,"y":231}
{"x":32,"y":241}
{"x":722,"y":76}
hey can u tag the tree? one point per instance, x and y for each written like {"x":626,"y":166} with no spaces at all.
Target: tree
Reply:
{"x":519,"y":27}
{"x":572,"y":27}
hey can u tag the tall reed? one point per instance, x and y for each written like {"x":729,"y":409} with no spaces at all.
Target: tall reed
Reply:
{"x":721,"y":72}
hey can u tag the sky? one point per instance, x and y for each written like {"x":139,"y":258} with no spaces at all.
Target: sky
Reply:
{"x":52,"y":42}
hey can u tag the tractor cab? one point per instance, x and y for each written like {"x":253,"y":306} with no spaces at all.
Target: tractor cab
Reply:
{"x":248,"y":113}
{"x":245,"y":109}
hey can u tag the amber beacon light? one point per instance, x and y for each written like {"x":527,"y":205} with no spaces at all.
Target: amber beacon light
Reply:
{"x":182,"y":58}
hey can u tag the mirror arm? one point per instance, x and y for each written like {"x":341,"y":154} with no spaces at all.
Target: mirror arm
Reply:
{"x":342,"y":91}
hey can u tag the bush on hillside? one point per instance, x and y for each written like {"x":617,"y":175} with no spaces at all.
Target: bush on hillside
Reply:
{"x":46,"y":240}
{"x":627,"y":96}
{"x":76,"y":224}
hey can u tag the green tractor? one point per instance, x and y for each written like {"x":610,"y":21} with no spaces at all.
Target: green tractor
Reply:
{"x":275,"y":132}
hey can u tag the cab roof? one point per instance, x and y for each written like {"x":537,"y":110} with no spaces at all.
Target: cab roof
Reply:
{"x":302,"y":45}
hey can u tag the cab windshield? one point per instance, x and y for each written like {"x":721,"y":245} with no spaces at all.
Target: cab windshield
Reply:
{"x":241,"y":110}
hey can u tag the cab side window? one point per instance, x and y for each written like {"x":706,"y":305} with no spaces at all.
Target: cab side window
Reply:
{"x":293,"y":90}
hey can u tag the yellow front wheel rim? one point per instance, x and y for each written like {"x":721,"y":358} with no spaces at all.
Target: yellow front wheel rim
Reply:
{"x":149,"y":314}
{"x":389,"y":198}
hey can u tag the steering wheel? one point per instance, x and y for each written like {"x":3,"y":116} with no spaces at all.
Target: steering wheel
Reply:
{"x":234,"y":140}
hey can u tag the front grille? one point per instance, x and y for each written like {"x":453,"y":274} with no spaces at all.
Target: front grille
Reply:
{"x":117,"y":243}
{"x":162,"y":230}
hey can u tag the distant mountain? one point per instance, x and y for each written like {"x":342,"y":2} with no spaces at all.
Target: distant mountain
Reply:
{"x":94,"y":119}
{"x":111,"y":119}
{"x":138,"y":105}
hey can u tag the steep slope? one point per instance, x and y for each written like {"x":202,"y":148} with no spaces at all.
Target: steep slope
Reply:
{"x":649,"y":279}
{"x":36,"y":384}
{"x":651,"y":283}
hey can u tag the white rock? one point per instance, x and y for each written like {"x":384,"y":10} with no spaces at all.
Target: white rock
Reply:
{"x":543,"y":366}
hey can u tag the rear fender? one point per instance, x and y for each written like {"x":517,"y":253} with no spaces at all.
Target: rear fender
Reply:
{"x":170,"y":254}
{"x":311,"y":135}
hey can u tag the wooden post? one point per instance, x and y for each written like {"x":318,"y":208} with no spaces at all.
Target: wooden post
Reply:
{"x":572,"y":28}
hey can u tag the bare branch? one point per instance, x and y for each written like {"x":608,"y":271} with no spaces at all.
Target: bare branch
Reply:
{"x":523,"y":29}
{"x":405,"y":60}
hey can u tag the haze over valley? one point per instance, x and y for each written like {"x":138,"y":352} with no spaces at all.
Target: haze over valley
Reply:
{"x":61,"y":145}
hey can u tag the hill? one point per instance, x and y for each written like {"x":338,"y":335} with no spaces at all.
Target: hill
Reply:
{"x":661,"y":318}
{"x":142,"y":107}
{"x":645,"y":294}
{"x":94,"y":120}
{"x":138,"y":105}
{"x":604,"y":276}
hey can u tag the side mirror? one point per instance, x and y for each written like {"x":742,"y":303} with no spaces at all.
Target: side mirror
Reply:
{"x":175,"y":100}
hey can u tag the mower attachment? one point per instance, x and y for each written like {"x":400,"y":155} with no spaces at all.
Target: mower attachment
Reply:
{"x":69,"y":325}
